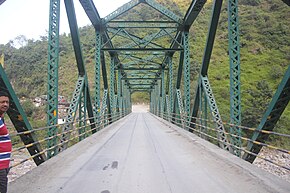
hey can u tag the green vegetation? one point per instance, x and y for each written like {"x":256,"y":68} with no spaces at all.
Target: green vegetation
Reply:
{"x":265,"y":56}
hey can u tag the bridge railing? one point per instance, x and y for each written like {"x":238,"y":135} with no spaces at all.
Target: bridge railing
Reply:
{"x":206,"y":129}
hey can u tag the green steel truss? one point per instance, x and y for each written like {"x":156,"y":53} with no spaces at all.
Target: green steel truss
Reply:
{"x":198,"y":108}
{"x":235,"y":83}
{"x":223,"y":142}
{"x":275,"y":109}
{"x":98,"y":72}
{"x":81,"y":96}
{"x":71,"y":113}
{"x":144,"y":63}
{"x":20,"y":120}
{"x":52,"y":86}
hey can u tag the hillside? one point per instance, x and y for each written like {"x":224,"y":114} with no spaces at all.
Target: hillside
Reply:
{"x":265,"y":55}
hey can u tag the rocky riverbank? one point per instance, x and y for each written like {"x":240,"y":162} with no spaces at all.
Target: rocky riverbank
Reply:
{"x":275,"y":156}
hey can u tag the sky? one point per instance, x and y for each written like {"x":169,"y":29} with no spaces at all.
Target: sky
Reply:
{"x":31,"y":17}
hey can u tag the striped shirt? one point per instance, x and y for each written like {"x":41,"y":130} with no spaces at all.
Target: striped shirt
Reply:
{"x":5,"y":146}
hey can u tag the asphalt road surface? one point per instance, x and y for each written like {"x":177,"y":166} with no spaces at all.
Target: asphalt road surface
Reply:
{"x":141,"y":154}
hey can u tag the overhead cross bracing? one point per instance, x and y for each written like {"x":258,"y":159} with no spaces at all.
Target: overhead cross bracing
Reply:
{"x":140,"y":52}
{"x":123,"y":37}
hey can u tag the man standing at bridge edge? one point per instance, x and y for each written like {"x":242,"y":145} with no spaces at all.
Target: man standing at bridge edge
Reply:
{"x":5,"y":143}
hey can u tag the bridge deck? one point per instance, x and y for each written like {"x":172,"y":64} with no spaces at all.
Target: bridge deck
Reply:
{"x":140,"y":154}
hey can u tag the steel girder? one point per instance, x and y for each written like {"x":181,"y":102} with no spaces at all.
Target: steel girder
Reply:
{"x":82,"y":83}
{"x":189,"y":18}
{"x":82,"y":114}
{"x":273,"y":113}
{"x":142,"y":24}
{"x":162,"y":93}
{"x":107,"y":28}
{"x":205,"y":82}
{"x":177,"y":86}
{"x":163,"y":10}
{"x":186,"y":73}
{"x":52,"y":71}
{"x":112,"y":84}
{"x":223,"y":141}
{"x":235,"y":83}
{"x":97,"y":104}
{"x":121,"y":10}
{"x":170,"y":86}
{"x":207,"y":54}
{"x":106,"y":98}
{"x":20,"y":120}
{"x":141,"y":42}
{"x":70,"y":117}
{"x":103,"y":40}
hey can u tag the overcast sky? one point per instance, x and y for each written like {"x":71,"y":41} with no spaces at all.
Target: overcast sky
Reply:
{"x":31,"y":17}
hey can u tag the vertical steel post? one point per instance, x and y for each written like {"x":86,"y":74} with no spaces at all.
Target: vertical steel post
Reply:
{"x":120,"y":107}
{"x":162,"y":93}
{"x":186,"y":73}
{"x":52,"y":87}
{"x":170,"y":66}
{"x":98,"y":73}
{"x":112,"y":84}
{"x":235,"y":84}
{"x":82,"y":114}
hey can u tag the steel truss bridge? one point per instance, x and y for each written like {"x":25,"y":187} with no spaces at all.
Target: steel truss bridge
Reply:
{"x":145,"y":63}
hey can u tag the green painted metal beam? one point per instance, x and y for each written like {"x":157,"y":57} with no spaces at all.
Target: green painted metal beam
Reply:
{"x":136,"y":41}
{"x":190,"y":16}
{"x":141,"y":69}
{"x":119,"y":85}
{"x":20,"y":120}
{"x":141,"y":90}
{"x":97,"y":104}
{"x":144,"y":78}
{"x":142,"y":49}
{"x":142,"y":24}
{"x":70,"y":117}
{"x":235,"y":71}
{"x":142,"y":42}
{"x":163,"y":10}
{"x":52,"y":72}
{"x":82,"y":115}
{"x":75,"y":36}
{"x":81,"y":71}
{"x":92,"y":13}
{"x":89,"y":107}
{"x":211,"y":36}
{"x":141,"y":84}
{"x":207,"y":53}
{"x":192,"y":13}
{"x":121,"y":10}
{"x":170,"y":84}
{"x":186,"y":73}
{"x":273,"y":113}
{"x":178,"y":82}
{"x":106,"y":87}
{"x":224,"y":142}
{"x":112,"y":83}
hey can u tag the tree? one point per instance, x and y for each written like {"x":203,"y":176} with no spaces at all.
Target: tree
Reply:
{"x":257,"y":104}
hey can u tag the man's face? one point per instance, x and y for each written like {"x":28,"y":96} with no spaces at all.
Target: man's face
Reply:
{"x":4,"y":104}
